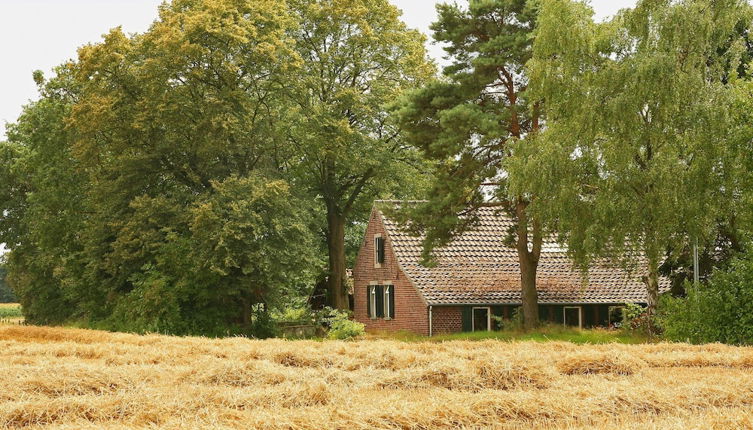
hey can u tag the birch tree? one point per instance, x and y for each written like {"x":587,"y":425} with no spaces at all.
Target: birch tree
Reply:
{"x":633,"y":158}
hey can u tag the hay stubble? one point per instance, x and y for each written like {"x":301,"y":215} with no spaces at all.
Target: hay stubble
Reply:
{"x":65,"y":378}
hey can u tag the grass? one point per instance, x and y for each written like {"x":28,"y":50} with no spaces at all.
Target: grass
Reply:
{"x":10,"y":313}
{"x":546,"y":333}
{"x":71,"y":378}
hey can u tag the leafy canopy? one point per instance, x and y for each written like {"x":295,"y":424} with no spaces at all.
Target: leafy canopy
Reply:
{"x":636,"y":147}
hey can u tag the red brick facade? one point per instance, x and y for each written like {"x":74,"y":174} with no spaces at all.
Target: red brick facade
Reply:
{"x":411,"y":312}
{"x":446,"y":319}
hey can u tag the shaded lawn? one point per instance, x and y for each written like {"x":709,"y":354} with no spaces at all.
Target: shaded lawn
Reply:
{"x":547,"y":333}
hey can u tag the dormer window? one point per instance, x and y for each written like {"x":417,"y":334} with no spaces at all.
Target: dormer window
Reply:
{"x":378,"y":250}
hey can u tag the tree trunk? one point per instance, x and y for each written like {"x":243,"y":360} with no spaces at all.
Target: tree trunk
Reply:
{"x":529,"y":262}
{"x":529,"y":296}
{"x":337,"y":294}
{"x":652,"y":291}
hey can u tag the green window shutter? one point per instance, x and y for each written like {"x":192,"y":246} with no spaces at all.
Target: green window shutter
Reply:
{"x":467,"y":318}
{"x":368,"y":300}
{"x":391,"y":290}
{"x":380,"y":249}
{"x":379,"y":301}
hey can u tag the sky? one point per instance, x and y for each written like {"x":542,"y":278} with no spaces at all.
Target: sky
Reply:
{"x":40,"y":34}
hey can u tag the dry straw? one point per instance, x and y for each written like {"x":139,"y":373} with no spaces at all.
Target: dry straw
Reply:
{"x":71,"y":379}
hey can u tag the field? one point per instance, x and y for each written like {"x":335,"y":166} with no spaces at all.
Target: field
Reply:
{"x":70,"y":378}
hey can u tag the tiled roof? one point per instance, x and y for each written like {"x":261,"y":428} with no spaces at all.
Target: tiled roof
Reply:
{"x":478,"y":268}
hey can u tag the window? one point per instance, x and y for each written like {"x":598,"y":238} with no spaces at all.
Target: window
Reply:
{"x":573,"y":316}
{"x":380,"y":301}
{"x":378,"y":250}
{"x":481,"y":319}
{"x":371,"y":301}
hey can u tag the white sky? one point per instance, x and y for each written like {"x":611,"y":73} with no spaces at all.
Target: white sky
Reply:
{"x":40,"y":34}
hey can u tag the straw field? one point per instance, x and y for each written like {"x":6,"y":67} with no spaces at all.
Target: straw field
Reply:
{"x":71,"y":379}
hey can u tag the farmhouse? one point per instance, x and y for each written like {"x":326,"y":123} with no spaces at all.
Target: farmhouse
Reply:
{"x":476,"y":280}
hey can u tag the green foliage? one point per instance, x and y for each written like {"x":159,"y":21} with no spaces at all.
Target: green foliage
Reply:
{"x":631,"y":312}
{"x":514,"y":323}
{"x":340,"y":324}
{"x":357,"y":57}
{"x":295,"y":312}
{"x":251,"y":234}
{"x":263,"y":326}
{"x":175,"y":181}
{"x":10,"y":312}
{"x":635,"y":318}
{"x":635,"y":156}
{"x":545,"y":333}
{"x":6,"y":294}
{"x":151,"y":307}
{"x":145,"y":191}
{"x":466,"y":123}
{"x":720,"y":310}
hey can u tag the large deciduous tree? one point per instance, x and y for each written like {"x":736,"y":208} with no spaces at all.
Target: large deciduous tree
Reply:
{"x":635,"y":155}
{"x":41,"y":203}
{"x":357,"y":58}
{"x":145,"y":190}
{"x":467,"y":122}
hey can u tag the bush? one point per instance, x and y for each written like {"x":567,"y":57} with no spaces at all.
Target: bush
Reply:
{"x":341,"y":326}
{"x":635,"y":318}
{"x":514,"y":323}
{"x":719,"y":311}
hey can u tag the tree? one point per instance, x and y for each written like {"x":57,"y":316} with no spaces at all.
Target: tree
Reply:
{"x":40,"y":203}
{"x":466,"y":124}
{"x":635,"y":153}
{"x":250,"y":233}
{"x":719,"y":310}
{"x":357,"y":57}
{"x":146,"y":191}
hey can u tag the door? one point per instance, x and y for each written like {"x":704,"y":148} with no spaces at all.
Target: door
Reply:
{"x":573,"y":316}
{"x":481,"y":319}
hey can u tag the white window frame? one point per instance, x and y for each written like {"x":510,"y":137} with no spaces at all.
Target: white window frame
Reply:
{"x":386,"y":287}
{"x":372,"y":300}
{"x":580,"y":315}
{"x":488,"y":318}
{"x":377,"y":264}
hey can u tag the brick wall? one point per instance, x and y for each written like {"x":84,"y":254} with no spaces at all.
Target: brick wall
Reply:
{"x":411,"y":313}
{"x":446,"y":319}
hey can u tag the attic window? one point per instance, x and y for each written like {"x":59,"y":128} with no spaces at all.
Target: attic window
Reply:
{"x":378,"y":250}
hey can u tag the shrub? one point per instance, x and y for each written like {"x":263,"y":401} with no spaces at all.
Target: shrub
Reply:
{"x":635,"y":318}
{"x":514,"y":323}
{"x":341,"y":326}
{"x":263,"y":326}
{"x":718,"y":311}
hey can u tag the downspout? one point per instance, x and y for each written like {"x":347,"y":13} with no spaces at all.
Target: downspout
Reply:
{"x":430,"y":314}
